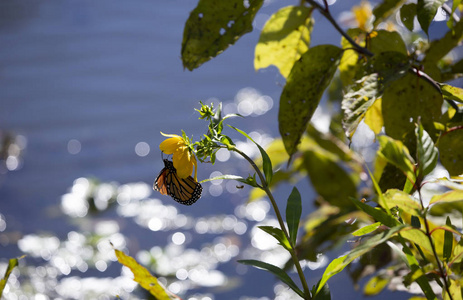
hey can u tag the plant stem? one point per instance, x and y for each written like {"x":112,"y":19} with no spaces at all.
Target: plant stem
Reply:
{"x":443,"y":273}
{"x":325,"y":12}
{"x":280,"y":221}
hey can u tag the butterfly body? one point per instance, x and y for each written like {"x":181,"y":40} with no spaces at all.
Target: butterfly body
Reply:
{"x":183,"y":190}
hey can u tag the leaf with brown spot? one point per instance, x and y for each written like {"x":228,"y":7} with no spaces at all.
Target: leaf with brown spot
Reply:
{"x":213,"y":26}
{"x":308,"y":79}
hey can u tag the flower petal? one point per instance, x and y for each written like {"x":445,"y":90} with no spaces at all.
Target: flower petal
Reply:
{"x":171,"y":145}
{"x":182,"y":162}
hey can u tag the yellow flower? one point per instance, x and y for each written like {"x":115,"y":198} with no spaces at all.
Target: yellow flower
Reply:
{"x":182,"y":157}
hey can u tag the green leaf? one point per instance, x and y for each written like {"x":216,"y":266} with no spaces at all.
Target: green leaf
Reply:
{"x":276,"y":271}
{"x":441,"y":47}
{"x":323,"y":294}
{"x":407,"y":15}
{"x":213,"y":26}
{"x":451,"y":92}
{"x":278,"y":234}
{"x":357,"y":101}
{"x":426,"y":11}
{"x":384,"y":67}
{"x":404,"y":102}
{"x":293,"y":214}
{"x":366,"y":229}
{"x":12,"y":263}
{"x":250,"y":180}
{"x":448,"y":242}
{"x":266,"y":162}
{"x":415,"y":222}
{"x":448,"y":197}
{"x":385,"y":9}
{"x":414,"y":266}
{"x":426,"y":153}
{"x":284,"y":38}
{"x":377,"y":214}
{"x":222,"y":177}
{"x":386,"y":41}
{"x":304,"y":88}
{"x":450,"y":157}
{"x":375,"y":285}
{"x":329,"y":179}
{"x":418,"y":237}
{"x":143,"y":276}
{"x":397,"y":154}
{"x":338,"y":264}
{"x":350,"y":58}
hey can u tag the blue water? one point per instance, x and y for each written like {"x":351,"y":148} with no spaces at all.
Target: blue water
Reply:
{"x":109,"y":75}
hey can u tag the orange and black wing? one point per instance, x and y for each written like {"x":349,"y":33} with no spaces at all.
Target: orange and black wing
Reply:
{"x":183,"y":190}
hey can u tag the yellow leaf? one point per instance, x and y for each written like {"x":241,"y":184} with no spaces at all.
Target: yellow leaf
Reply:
{"x":143,"y":276}
{"x":285,"y":37}
{"x":375,"y":285}
{"x":374,"y":117}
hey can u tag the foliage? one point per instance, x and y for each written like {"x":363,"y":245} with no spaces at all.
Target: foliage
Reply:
{"x":393,"y":79}
{"x":11,"y":265}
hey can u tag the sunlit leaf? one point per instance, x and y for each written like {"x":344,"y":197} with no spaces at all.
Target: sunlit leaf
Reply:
{"x":404,"y":102}
{"x":397,"y":154}
{"x":222,"y":177}
{"x":385,"y":9}
{"x":451,"y":92}
{"x":293,"y":214}
{"x":387,"y":41}
{"x":418,"y":237}
{"x":304,"y":88}
{"x":426,"y":11}
{"x":441,"y":47}
{"x":455,"y":290}
{"x":374,"y":117}
{"x":378,"y":214}
{"x":284,"y":38}
{"x":12,"y":263}
{"x":278,"y":234}
{"x":338,"y":264}
{"x":323,"y":294}
{"x":357,"y":100}
{"x":366,"y":229}
{"x":267,"y":163}
{"x":407,"y":15}
{"x":213,"y":26}
{"x":452,"y":160}
{"x":275,"y":271}
{"x":349,"y":61}
{"x":448,"y":197}
{"x":413,"y":264}
{"x":375,"y":285}
{"x":426,"y":153}
{"x":143,"y":276}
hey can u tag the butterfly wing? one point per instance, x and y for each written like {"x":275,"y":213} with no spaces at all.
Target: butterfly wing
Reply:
{"x":160,"y":184}
{"x":183,"y":190}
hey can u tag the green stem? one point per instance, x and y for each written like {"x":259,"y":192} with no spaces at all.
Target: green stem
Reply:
{"x":280,"y":221}
{"x":433,"y":247}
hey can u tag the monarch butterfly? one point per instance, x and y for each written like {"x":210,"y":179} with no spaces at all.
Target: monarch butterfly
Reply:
{"x":183,"y":190}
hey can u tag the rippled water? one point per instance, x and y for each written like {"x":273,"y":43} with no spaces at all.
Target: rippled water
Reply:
{"x":87,"y":86}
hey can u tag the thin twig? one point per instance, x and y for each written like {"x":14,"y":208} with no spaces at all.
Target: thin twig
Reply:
{"x":325,"y":12}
